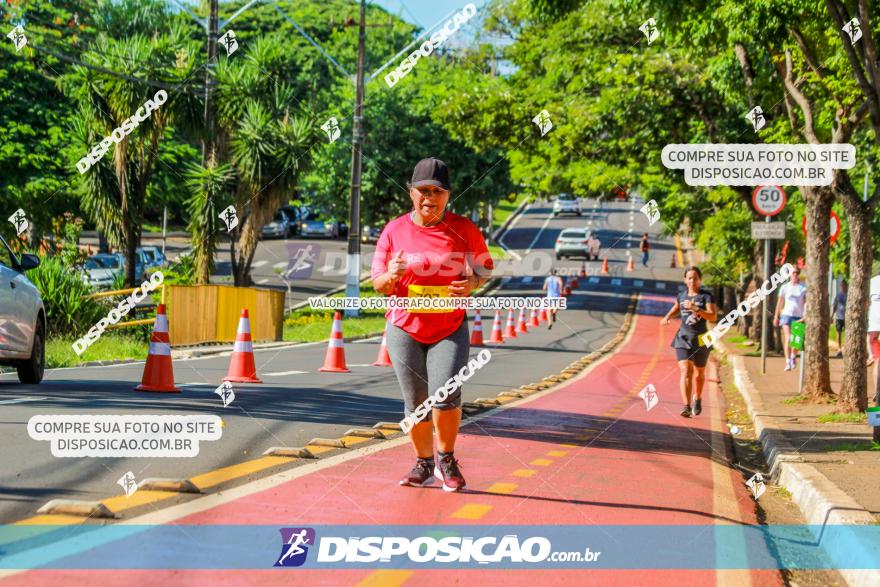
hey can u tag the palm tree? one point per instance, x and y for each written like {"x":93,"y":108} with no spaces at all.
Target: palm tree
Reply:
{"x":114,"y":189}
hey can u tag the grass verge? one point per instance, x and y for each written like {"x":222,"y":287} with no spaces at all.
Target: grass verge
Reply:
{"x":60,"y":353}
{"x":847,"y":418}
{"x":315,"y":326}
{"x":504,"y":210}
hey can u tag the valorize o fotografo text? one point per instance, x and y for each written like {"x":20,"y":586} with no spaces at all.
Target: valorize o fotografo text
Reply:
{"x":438,"y":304}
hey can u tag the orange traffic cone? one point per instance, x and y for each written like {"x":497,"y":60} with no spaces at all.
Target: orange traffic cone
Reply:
{"x":543,"y":317}
{"x":496,"y":337}
{"x":605,"y":266}
{"x":583,"y":270}
{"x":574,"y":282}
{"x":672,"y":263}
{"x":477,"y":334}
{"x":509,"y":330}
{"x":334,"y":360}
{"x":533,"y":321}
{"x":384,"y":359}
{"x":158,"y":372}
{"x":629,"y":264}
{"x":567,"y":291}
{"x":521,"y":323}
{"x":242,"y":368}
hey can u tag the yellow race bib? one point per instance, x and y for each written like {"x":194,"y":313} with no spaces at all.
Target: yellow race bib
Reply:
{"x":429,"y":291}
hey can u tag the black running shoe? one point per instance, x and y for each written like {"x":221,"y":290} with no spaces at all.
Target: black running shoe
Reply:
{"x":421,"y":474}
{"x":686,"y":412}
{"x":698,"y":407}
{"x":447,"y":471}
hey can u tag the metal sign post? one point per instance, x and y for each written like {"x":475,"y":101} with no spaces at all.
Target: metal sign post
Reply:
{"x":768,"y":200}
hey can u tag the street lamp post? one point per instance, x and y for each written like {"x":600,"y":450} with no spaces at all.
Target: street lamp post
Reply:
{"x":352,"y":281}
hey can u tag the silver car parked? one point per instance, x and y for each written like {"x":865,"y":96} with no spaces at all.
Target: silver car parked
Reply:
{"x":22,"y":317}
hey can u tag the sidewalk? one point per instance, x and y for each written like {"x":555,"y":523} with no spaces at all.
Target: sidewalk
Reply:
{"x":829,"y":447}
{"x":585,"y":454}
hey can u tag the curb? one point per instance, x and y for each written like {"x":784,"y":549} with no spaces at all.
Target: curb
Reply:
{"x":819,"y":499}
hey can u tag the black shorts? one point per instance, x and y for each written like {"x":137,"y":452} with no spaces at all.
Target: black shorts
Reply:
{"x":838,"y":324}
{"x":699,"y":356}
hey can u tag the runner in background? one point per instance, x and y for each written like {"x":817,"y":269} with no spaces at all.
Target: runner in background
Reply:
{"x":553,"y":286}
{"x":645,"y":247}
{"x":790,"y":308}
{"x":430,"y":252}
{"x":839,"y":311}
{"x":695,"y":305}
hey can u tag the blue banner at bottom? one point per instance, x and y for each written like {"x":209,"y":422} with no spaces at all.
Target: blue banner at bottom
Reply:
{"x":122,"y":546}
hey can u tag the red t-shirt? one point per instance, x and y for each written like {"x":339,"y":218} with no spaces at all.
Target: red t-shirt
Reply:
{"x":435,"y":255}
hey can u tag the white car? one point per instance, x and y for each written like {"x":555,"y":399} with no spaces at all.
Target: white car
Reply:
{"x":572,"y":242}
{"x":22,"y":317}
{"x":567,"y":204}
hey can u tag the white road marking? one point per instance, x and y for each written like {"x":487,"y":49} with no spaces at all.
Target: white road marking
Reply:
{"x":527,"y":279}
{"x":615,"y":282}
{"x":537,"y":236}
{"x":661,"y":285}
{"x":638,"y":283}
{"x":262,"y":281}
{"x":593,"y":280}
{"x":192,"y":384}
{"x":259,"y":263}
{"x":21,"y":400}
{"x":281,"y":373}
{"x":280,"y":265}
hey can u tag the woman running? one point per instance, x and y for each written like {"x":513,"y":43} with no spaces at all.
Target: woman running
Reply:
{"x":430,"y":252}
{"x":696,"y":306}
{"x":791,"y":303}
{"x":874,"y":334}
{"x":553,"y":286}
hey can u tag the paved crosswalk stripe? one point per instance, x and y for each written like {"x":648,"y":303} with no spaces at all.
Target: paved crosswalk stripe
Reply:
{"x":259,"y":263}
{"x":524,"y":473}
{"x":280,"y":373}
{"x":472,"y":511}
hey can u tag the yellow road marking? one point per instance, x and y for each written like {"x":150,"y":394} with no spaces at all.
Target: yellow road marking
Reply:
{"x":472,"y":511}
{"x":212,"y":478}
{"x":316,"y":449}
{"x":36,"y":525}
{"x":541,"y":462}
{"x":504,"y":488}
{"x":349,"y":440}
{"x":53,"y":520}
{"x":524,"y":473}
{"x":138,"y":498}
{"x":569,"y":445}
{"x":557,"y":453}
{"x":385,"y":578}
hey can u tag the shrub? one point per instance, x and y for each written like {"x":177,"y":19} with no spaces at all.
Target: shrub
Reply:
{"x":64,"y":297}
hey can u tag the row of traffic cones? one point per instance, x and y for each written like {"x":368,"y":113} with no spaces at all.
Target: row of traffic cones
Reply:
{"x":510,"y":330}
{"x":159,"y":372}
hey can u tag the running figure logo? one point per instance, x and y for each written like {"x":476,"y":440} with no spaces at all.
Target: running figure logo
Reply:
{"x":17,"y":37}
{"x":226,"y":392}
{"x":294,"y":546}
{"x":756,"y":117}
{"x":652,"y":211}
{"x":756,"y":484}
{"x":854,"y":30}
{"x":229,"y":217}
{"x":19,"y":221}
{"x":229,"y":41}
{"x":300,"y":261}
{"x":649,"y":28}
{"x":543,"y":121}
{"x":128,"y":484}
{"x":649,"y":394}
{"x":331,"y":127}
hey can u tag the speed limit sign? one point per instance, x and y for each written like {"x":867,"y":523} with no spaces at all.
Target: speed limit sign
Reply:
{"x":768,"y":200}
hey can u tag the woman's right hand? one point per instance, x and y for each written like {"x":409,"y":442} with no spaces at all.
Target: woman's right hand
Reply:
{"x":776,"y":322}
{"x":665,"y":321}
{"x":397,"y":266}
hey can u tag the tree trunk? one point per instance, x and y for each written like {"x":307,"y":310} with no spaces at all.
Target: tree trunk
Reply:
{"x":817,"y":376}
{"x":853,"y":394}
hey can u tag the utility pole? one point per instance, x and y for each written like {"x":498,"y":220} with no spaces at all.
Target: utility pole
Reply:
{"x":208,"y":142}
{"x":352,"y":281}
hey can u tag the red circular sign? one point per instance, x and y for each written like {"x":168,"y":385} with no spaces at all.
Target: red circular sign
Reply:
{"x":768,"y":200}
{"x":835,"y":226}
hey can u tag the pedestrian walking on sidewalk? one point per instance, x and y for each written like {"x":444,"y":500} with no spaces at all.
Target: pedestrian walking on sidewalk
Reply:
{"x":874,"y":334}
{"x":430,"y":252}
{"x":645,"y":247}
{"x":790,"y":308}
{"x":839,"y":311}
{"x":696,"y":306}
{"x":553,"y":286}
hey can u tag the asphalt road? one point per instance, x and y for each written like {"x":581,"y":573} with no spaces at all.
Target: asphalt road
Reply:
{"x":297,"y":403}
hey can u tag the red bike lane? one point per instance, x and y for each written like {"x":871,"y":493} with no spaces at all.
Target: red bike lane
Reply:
{"x":585,"y":453}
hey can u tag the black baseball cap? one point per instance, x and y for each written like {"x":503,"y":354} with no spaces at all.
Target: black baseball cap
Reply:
{"x":431,"y":171}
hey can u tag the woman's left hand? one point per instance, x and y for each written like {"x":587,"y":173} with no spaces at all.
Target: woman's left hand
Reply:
{"x":463,"y":287}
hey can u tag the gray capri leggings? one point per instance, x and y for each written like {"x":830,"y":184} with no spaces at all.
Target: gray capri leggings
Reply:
{"x":421,"y":368}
